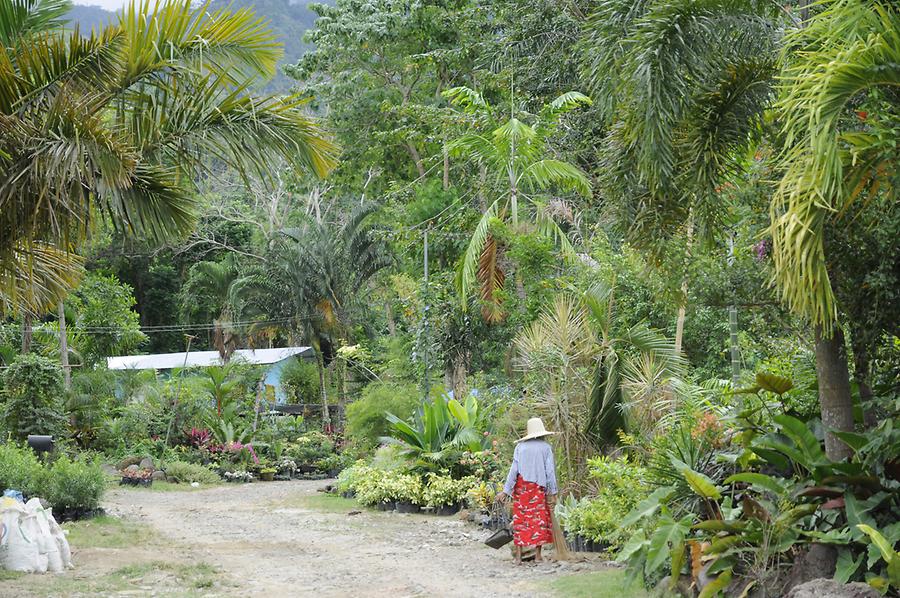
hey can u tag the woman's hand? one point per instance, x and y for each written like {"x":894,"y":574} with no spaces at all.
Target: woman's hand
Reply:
{"x":501,"y":497}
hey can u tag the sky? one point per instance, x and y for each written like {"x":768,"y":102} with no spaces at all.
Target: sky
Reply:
{"x":107,"y":4}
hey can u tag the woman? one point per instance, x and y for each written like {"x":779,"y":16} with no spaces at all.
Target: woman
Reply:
{"x":532,"y":485}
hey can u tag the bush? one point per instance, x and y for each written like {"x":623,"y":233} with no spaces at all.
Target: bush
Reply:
{"x":620,"y":488}
{"x":444,"y":490}
{"x":365,"y":417}
{"x":310,"y":448}
{"x":350,"y":478}
{"x":188,"y":472}
{"x":20,"y":470}
{"x":300,"y":379}
{"x":32,"y":392}
{"x":74,"y":485}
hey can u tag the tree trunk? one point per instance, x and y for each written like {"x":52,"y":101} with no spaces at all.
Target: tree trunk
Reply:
{"x":455,"y":375}
{"x":835,"y":400}
{"x":446,"y":168}
{"x":389,"y":313}
{"x":27,"y":333}
{"x":679,"y":321}
{"x":64,"y":346}
{"x":326,"y":417}
{"x":414,"y":153}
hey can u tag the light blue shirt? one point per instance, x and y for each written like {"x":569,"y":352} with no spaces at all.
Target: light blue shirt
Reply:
{"x":533,"y":460}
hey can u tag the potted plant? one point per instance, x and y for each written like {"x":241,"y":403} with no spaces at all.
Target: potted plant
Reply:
{"x":267,"y":474}
{"x":446,"y":494}
{"x":137,"y":477}
{"x":407,"y":490}
{"x":238,"y":477}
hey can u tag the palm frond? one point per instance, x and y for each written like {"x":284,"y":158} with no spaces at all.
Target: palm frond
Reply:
{"x":467,"y":272}
{"x":19,"y":18}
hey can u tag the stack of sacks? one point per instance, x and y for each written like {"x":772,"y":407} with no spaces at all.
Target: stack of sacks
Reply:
{"x":30,"y":539}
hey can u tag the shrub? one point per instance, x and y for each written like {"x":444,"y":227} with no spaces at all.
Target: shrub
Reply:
{"x":443,"y":490}
{"x":365,"y":417}
{"x":620,"y":488}
{"x":300,"y":379}
{"x":74,"y":485}
{"x":32,"y":392}
{"x":20,"y":470}
{"x":377,"y":486}
{"x":310,"y":448}
{"x":189,"y":472}
{"x":350,"y":478}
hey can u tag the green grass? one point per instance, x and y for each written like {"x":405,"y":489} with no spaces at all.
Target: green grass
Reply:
{"x":328,"y":503}
{"x":167,"y":487}
{"x":107,"y":532}
{"x":197,"y":576}
{"x":7,"y":575}
{"x":609,"y":583}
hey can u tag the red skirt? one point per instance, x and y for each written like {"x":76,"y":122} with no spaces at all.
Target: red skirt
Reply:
{"x":531,"y":516}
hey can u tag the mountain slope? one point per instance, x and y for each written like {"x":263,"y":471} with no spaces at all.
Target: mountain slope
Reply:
{"x":289,"y":20}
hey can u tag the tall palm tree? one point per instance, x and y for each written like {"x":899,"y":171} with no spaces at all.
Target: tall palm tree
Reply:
{"x":839,"y":107}
{"x":516,"y":154}
{"x":317,"y":278}
{"x":219,"y":282}
{"x":120,"y":122}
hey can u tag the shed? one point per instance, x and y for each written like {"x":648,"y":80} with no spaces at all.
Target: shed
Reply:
{"x":276,"y":359}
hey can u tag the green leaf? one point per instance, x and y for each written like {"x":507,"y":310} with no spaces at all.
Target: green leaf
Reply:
{"x":773,"y":383}
{"x":887,"y":551}
{"x":648,"y":506}
{"x":758,"y":480}
{"x":719,"y":584}
{"x":718,"y":525}
{"x":852,"y":439}
{"x":805,"y":440}
{"x":667,"y":534}
{"x":699,"y":483}
{"x":637,"y":542}
{"x":847,"y":566}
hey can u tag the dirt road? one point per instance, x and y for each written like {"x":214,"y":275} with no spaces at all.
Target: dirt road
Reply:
{"x":286,"y":539}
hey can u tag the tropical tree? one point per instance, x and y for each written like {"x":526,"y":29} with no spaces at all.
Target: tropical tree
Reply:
{"x":839,"y":108}
{"x":594,"y":375}
{"x":516,"y":154}
{"x":214,"y":283}
{"x":119,"y":123}
{"x":317,"y":278}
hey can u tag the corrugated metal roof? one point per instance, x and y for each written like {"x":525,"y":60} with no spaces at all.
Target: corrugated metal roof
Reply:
{"x":168,"y":361}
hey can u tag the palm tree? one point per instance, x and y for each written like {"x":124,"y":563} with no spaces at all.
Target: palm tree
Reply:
{"x":597,"y":375}
{"x":120,"y":122}
{"x":838,"y":161}
{"x":219,"y":282}
{"x":516,"y":154}
{"x":316,"y":278}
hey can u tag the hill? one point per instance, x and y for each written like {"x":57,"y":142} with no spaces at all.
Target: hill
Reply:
{"x":289,"y":20}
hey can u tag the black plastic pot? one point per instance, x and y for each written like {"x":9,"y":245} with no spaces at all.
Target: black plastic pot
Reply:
{"x":405,"y":506}
{"x":145,"y":482}
{"x":386,"y":506}
{"x":445,"y":510}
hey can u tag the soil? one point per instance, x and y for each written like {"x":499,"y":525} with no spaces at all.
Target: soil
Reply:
{"x":277,"y":539}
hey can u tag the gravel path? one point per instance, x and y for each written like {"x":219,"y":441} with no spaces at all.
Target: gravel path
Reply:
{"x":271,"y":542}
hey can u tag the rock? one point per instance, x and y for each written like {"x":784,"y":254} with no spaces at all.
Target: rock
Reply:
{"x":828,"y":588}
{"x":124,"y":463}
{"x":132,"y":469}
{"x":158,"y":476}
{"x":147,"y":463}
{"x":818,"y":562}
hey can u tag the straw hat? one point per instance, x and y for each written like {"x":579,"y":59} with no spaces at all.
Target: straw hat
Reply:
{"x":535,"y":429}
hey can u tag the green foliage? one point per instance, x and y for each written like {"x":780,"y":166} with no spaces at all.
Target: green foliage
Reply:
{"x":190,"y":472}
{"x":21,"y":470}
{"x":366,"y":420}
{"x":32,"y":397}
{"x":620,"y":487}
{"x":300,"y":379}
{"x":105,"y":322}
{"x":74,"y":485}
{"x":310,"y":448}
{"x":443,"y":490}
{"x":440,"y":431}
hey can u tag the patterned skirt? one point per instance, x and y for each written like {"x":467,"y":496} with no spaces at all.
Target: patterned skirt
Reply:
{"x":531,"y":516}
